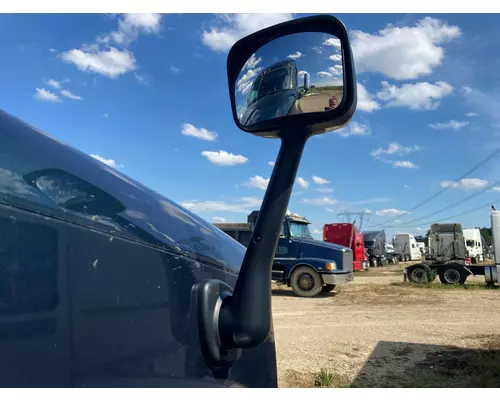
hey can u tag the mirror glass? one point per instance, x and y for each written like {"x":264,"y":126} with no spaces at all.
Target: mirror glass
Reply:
{"x":298,"y":73}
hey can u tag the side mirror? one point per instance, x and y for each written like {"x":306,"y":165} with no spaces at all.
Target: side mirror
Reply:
{"x":263,"y":74}
{"x":307,"y":81}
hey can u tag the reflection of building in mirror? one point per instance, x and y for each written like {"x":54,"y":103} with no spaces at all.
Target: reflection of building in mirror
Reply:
{"x":298,"y":73}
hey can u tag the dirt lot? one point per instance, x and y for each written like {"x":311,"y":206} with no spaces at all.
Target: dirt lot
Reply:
{"x":318,"y":101}
{"x":373,"y":333}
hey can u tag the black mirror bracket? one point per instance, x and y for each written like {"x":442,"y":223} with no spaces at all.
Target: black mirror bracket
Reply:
{"x":229,"y":321}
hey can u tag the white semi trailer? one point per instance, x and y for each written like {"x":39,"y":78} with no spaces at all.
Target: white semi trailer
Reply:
{"x":448,"y":255}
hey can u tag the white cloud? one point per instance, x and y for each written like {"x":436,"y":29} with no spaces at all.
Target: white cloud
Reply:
{"x":257,"y":182}
{"x":222,"y":157}
{"x":406,"y":52}
{"x":354,"y":129}
{"x":408,"y":187}
{"x":466,"y":90}
{"x":365,"y":100}
{"x":333,"y":42}
{"x":110,"y":63}
{"x":318,"y":49}
{"x":130,"y":26}
{"x":320,"y":201}
{"x":465,"y":184}
{"x":471,"y":114}
{"x":142,"y":79}
{"x":295,"y":55}
{"x":241,"y":205}
{"x":200,"y":133}
{"x":219,"y":219}
{"x":320,"y":181}
{"x":302,"y":182}
{"x":301,"y":74}
{"x":271,"y":163}
{"x":70,"y":95}
{"x":404,"y":164}
{"x":324,"y":190}
{"x":392,"y":212}
{"x":495,"y":188}
{"x":335,"y":57}
{"x":174,"y":70}
{"x":107,"y":161}
{"x":244,"y":84}
{"x":394,"y":148}
{"x":323,"y":74}
{"x":234,"y":27}
{"x":367,"y":210}
{"x":46,"y":95}
{"x":455,"y":125}
{"x":52,"y":50}
{"x":105,"y":115}
{"x":415,"y":96}
{"x":56,"y":84}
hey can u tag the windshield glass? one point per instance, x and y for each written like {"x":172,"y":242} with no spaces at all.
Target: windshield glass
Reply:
{"x":470,"y":243}
{"x":298,"y":229}
{"x":369,"y":243}
{"x":274,"y":81}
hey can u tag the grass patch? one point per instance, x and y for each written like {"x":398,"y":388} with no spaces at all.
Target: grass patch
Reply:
{"x":436,"y":285}
{"x":325,"y":379}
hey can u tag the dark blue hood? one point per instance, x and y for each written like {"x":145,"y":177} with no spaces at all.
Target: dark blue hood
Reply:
{"x":274,"y":105}
{"x":319,"y":249}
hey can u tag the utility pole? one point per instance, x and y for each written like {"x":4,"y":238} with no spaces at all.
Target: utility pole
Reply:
{"x":361,"y":216}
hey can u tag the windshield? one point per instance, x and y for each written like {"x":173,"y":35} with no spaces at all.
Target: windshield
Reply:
{"x":470,"y":243}
{"x":369,"y":243}
{"x":298,"y":229}
{"x":274,"y":81}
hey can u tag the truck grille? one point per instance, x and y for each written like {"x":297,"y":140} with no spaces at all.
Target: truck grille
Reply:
{"x":347,"y":260}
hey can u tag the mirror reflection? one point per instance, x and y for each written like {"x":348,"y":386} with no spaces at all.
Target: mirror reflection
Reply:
{"x":299,"y":73}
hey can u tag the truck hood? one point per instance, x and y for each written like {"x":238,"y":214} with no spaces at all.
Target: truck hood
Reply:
{"x":273,"y":105}
{"x":319,"y":249}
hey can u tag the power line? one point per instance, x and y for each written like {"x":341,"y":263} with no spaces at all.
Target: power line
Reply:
{"x":448,"y":218}
{"x":470,"y":171}
{"x":456,"y":203}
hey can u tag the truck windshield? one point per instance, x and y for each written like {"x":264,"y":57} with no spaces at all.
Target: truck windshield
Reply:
{"x":369,"y":243}
{"x":274,"y":81}
{"x":298,"y":229}
{"x":470,"y":243}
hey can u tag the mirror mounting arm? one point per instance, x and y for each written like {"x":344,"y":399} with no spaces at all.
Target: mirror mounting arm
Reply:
{"x":245,"y":317}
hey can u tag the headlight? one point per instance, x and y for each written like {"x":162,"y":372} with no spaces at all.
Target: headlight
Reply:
{"x":331,"y":266}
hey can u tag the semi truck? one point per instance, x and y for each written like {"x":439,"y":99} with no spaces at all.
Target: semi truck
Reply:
{"x":375,"y":242}
{"x":406,"y":245}
{"x":347,"y":234}
{"x":474,"y":245}
{"x":308,"y":266}
{"x":448,"y":257}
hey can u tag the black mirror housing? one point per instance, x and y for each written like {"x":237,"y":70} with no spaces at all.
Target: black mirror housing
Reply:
{"x":311,"y":123}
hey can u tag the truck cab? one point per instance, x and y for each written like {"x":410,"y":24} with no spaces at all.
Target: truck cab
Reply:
{"x":307,"y":265}
{"x":274,"y":93}
{"x":473,"y":243}
{"x":375,"y":242}
{"x":346,"y":234}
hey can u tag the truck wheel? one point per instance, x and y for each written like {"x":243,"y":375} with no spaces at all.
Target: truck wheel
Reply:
{"x":327,"y":288}
{"x":306,"y":282}
{"x":419,"y":273}
{"x":452,"y":274}
{"x":373,"y":262}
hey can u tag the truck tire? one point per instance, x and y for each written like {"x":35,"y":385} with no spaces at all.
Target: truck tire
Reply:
{"x":452,"y":274}
{"x":373,"y":262}
{"x":327,"y":288}
{"x":306,"y":282}
{"x":419,"y":273}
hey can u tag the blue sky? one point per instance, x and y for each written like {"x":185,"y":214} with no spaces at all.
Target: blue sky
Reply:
{"x":148,"y":94}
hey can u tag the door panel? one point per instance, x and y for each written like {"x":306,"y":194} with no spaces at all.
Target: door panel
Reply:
{"x":35,"y":348}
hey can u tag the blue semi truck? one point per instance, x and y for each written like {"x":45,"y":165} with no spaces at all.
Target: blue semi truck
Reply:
{"x":306,"y":265}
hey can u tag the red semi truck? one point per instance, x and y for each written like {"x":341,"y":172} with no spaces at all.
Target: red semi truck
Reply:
{"x":347,"y":235}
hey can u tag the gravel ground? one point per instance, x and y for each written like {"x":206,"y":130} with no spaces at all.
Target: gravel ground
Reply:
{"x":374,"y":333}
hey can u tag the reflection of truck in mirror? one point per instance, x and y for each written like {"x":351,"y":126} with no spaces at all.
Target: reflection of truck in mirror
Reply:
{"x":274,"y":93}
{"x":309,"y":266}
